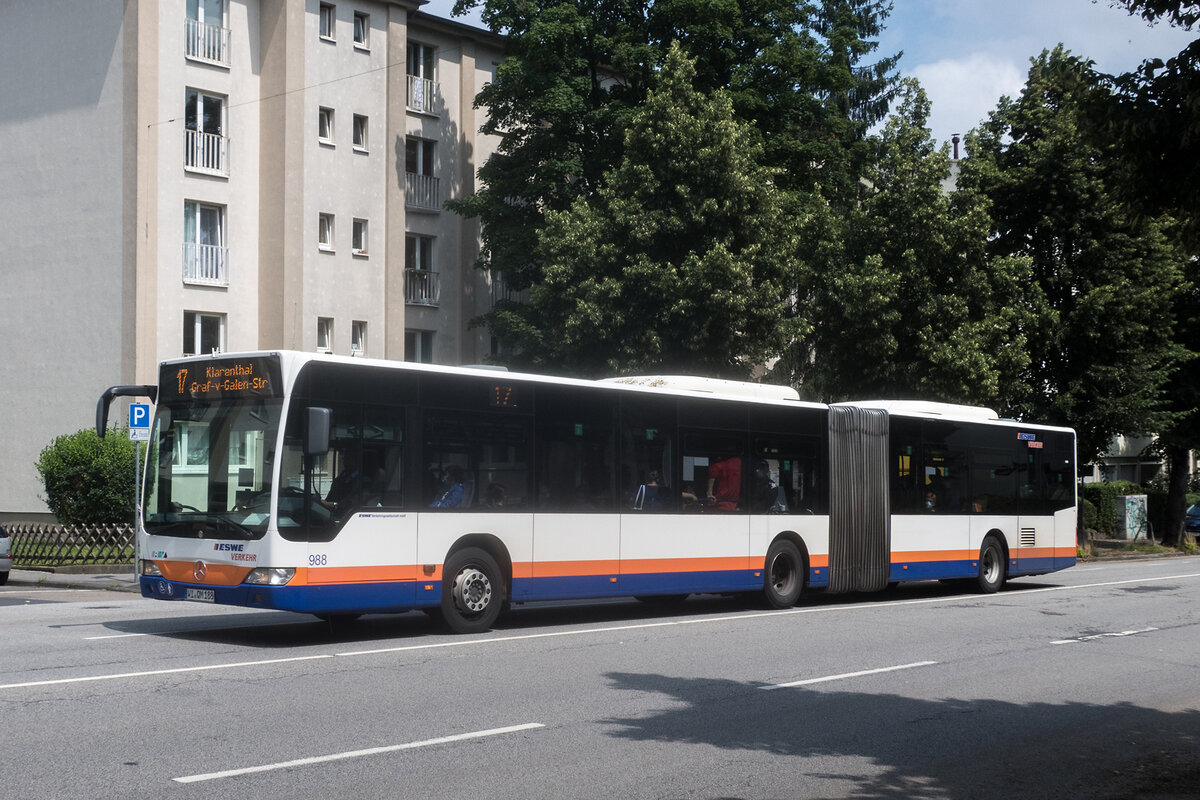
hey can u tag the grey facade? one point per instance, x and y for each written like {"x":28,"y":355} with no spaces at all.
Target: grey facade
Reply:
{"x":187,"y":175}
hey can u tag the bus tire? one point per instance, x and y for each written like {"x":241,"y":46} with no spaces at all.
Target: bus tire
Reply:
{"x":783,"y":574}
{"x":991,"y":566}
{"x":472,"y":591}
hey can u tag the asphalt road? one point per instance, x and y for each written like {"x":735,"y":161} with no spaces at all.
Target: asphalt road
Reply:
{"x":1081,"y":684}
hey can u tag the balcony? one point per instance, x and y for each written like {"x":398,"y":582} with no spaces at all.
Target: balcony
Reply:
{"x":501,"y":292}
{"x":422,"y":287}
{"x":207,"y":43}
{"x":205,"y":264}
{"x":423,"y":95}
{"x":206,"y":152}
{"x":422,"y":192}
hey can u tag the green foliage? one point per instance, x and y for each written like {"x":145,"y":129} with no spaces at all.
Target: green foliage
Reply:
{"x":904,"y":299}
{"x":89,"y":480}
{"x":1103,"y":282}
{"x":677,"y":261}
{"x":1087,"y":513}
{"x":564,"y":99}
{"x":1103,"y":499}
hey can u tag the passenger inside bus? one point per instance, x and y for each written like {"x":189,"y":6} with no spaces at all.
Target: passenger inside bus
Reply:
{"x":346,"y":489}
{"x":651,"y":494}
{"x":452,"y":495}
{"x":724,"y":483}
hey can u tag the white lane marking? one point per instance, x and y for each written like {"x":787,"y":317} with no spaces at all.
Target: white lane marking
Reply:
{"x":113,"y":636}
{"x":175,"y":671}
{"x":845,"y":675}
{"x":754,"y":615}
{"x":370,"y":751}
{"x":1094,"y":636}
{"x":620,"y":628}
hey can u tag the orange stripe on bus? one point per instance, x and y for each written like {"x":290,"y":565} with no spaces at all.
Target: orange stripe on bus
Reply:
{"x":213,"y":574}
{"x":376,"y":574}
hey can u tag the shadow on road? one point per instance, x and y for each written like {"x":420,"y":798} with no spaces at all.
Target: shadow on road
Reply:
{"x":944,"y":748}
{"x":283,"y":629}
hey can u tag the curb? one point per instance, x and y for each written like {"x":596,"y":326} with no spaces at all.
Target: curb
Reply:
{"x":109,"y":578}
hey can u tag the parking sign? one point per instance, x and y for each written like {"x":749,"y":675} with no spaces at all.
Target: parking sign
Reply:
{"x":139,"y":422}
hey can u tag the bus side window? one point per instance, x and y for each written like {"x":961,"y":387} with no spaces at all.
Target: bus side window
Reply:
{"x":714,"y":463}
{"x":647,"y":433}
{"x":383,"y":457}
{"x":577,"y":449}
{"x":907,"y":481}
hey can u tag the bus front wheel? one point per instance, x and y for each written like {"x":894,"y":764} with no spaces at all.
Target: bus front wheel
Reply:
{"x":991,"y":566}
{"x":472,"y":591}
{"x":784,"y":574}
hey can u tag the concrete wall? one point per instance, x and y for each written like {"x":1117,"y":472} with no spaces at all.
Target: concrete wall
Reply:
{"x":66,"y":274}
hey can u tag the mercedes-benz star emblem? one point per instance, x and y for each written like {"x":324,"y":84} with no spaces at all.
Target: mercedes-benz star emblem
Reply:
{"x":199,"y":571}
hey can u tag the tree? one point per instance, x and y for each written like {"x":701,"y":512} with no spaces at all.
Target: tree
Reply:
{"x":1155,"y":127}
{"x":1101,"y":356}
{"x":89,"y":480}
{"x":575,"y":72}
{"x":678,"y":259}
{"x":907,"y":302}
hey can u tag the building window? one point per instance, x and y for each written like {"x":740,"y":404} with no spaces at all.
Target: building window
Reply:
{"x":362,"y":30}
{"x":418,"y":252}
{"x":422,"y":83}
{"x":204,"y":144}
{"x":203,"y":333}
{"x":325,"y":231}
{"x":360,"y":133}
{"x":328,"y":17}
{"x":204,"y":251}
{"x":420,"y":185}
{"x":325,"y":334}
{"x":358,"y":238}
{"x":205,"y":33}
{"x":358,"y":338}
{"x":325,"y":125}
{"x":418,"y":346}
{"x":421,"y":60}
{"x":418,"y":156}
{"x":421,"y":284}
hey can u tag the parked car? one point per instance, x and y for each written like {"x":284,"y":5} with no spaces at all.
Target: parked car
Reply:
{"x":1191,"y":523}
{"x":5,"y":554}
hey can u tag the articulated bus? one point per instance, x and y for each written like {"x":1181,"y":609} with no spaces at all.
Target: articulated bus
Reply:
{"x":345,"y":486}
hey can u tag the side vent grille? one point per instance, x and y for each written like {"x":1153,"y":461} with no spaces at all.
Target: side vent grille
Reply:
{"x":1028,"y":537}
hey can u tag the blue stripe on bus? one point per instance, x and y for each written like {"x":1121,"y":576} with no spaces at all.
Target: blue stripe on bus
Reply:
{"x":361,"y":598}
{"x":385,"y":597}
{"x":636,"y":584}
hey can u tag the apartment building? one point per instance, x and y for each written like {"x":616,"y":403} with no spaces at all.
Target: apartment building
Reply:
{"x":193,"y":175}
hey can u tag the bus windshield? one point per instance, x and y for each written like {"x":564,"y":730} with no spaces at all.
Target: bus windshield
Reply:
{"x":210,"y":468}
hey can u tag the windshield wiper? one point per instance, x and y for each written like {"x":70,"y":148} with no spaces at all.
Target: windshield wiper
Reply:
{"x":246,"y":533}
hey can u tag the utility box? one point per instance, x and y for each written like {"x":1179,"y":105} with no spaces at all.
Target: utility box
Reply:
{"x":1131,"y":517}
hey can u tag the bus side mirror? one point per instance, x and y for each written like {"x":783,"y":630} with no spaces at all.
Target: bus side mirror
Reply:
{"x":316,"y":431}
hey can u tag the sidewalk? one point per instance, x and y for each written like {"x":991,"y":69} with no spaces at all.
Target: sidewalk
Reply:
{"x":111,"y":578}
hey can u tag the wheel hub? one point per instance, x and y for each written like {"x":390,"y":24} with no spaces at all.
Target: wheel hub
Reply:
{"x":472,"y":590}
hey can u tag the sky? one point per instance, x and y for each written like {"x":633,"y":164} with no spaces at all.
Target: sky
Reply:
{"x":968,"y":53}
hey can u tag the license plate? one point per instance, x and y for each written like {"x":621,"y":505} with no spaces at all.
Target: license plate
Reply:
{"x":203,"y":595}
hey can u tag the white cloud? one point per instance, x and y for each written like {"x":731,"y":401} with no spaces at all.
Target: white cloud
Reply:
{"x":963,"y":91}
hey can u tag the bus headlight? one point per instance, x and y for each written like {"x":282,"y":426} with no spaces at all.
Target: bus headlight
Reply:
{"x":271,"y":576}
{"x":149,"y":569}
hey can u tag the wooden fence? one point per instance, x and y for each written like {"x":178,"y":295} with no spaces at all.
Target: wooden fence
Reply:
{"x":36,"y":545}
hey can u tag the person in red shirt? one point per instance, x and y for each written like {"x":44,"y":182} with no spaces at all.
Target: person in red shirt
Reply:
{"x":725,"y":483}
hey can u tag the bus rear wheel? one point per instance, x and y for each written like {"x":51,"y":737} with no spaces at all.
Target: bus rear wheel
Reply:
{"x":472,"y":591}
{"x":991,"y":566}
{"x":783,"y":576}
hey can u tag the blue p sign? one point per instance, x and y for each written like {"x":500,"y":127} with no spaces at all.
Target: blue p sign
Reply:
{"x":139,"y":415}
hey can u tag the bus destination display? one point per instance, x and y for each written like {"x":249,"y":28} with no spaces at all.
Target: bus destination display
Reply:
{"x":214,"y":380}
